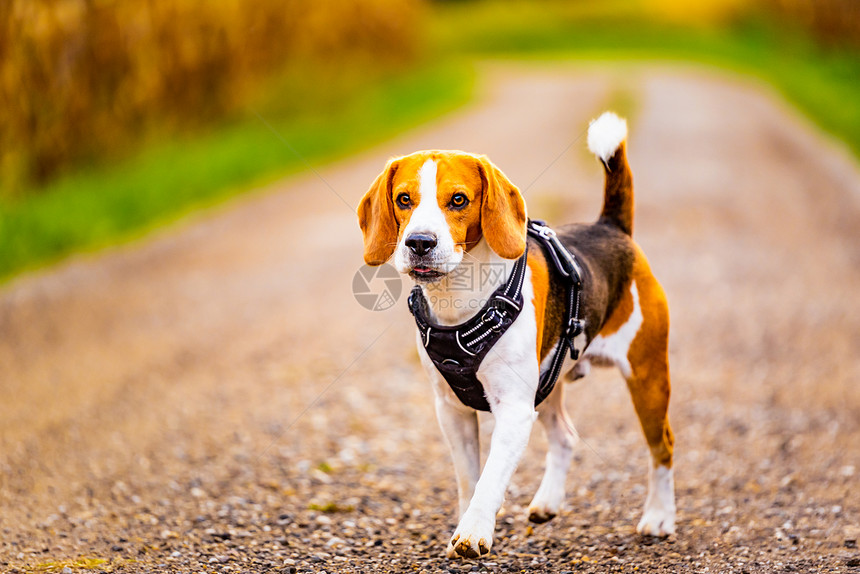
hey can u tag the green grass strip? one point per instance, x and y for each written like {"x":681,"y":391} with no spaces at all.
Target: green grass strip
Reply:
{"x":90,"y":209}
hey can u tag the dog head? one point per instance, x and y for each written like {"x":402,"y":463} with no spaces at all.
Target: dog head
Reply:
{"x":429,"y":208}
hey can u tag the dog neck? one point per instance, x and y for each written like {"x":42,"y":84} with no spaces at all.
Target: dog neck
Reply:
{"x":461,"y":294}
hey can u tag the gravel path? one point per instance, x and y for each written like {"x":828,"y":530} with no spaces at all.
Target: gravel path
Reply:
{"x":213,"y":399}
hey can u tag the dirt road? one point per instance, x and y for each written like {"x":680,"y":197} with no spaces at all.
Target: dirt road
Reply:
{"x":213,"y":398}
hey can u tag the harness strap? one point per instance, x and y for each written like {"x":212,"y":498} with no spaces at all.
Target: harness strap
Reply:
{"x":503,"y":306}
{"x":567,"y":266}
{"x":458,"y":351}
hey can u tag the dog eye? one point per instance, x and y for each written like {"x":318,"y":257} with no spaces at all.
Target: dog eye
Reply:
{"x":459,"y":200}
{"x":404,"y":201}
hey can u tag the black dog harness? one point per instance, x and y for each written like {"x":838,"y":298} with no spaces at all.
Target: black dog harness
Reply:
{"x":457,"y":351}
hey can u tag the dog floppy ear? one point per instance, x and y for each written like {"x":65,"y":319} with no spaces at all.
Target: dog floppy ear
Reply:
{"x":503,"y":212}
{"x":376,"y":218}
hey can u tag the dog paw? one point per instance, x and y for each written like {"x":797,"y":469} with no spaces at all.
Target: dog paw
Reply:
{"x":657,"y":522}
{"x":539,"y":515}
{"x":472,"y":539}
{"x":547,"y":500}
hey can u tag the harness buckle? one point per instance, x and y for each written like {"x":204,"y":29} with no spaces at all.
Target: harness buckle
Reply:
{"x":541,"y":228}
{"x":575,"y":327}
{"x":494,"y":318}
{"x":545,"y":231}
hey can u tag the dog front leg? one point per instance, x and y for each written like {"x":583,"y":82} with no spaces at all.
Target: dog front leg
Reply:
{"x":562,"y":438}
{"x":460,"y":428}
{"x":474,"y":535}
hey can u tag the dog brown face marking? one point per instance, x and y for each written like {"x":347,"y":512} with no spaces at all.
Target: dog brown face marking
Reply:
{"x":474,"y":197}
{"x":458,"y":194}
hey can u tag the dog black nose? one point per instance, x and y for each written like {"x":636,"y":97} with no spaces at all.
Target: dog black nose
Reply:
{"x":421,"y":243}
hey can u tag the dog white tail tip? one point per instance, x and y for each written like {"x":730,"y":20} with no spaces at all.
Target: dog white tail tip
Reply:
{"x":605,"y":135}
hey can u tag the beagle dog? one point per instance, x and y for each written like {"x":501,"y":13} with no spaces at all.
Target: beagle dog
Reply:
{"x":450,"y":215}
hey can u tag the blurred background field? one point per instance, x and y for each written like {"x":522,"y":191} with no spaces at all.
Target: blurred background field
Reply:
{"x":118,"y":116}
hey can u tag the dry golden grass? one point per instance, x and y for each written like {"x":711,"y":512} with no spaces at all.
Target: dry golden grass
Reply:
{"x":84,"y":78}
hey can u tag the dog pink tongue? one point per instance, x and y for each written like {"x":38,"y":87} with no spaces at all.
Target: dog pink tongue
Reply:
{"x":422,"y":269}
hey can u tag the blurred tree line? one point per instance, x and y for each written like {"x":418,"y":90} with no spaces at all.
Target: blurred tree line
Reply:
{"x":87,"y":79}
{"x":832,"y":22}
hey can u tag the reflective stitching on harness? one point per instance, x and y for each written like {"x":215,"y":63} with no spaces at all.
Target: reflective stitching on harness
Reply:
{"x":472,"y":330}
{"x":481,"y":336}
{"x":457,"y":337}
{"x":510,"y":302}
{"x":518,"y":290}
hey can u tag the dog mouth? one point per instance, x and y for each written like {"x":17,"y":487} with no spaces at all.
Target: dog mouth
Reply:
{"x":425,"y":274}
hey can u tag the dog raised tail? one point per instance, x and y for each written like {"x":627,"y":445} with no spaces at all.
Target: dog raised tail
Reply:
{"x":607,"y":137}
